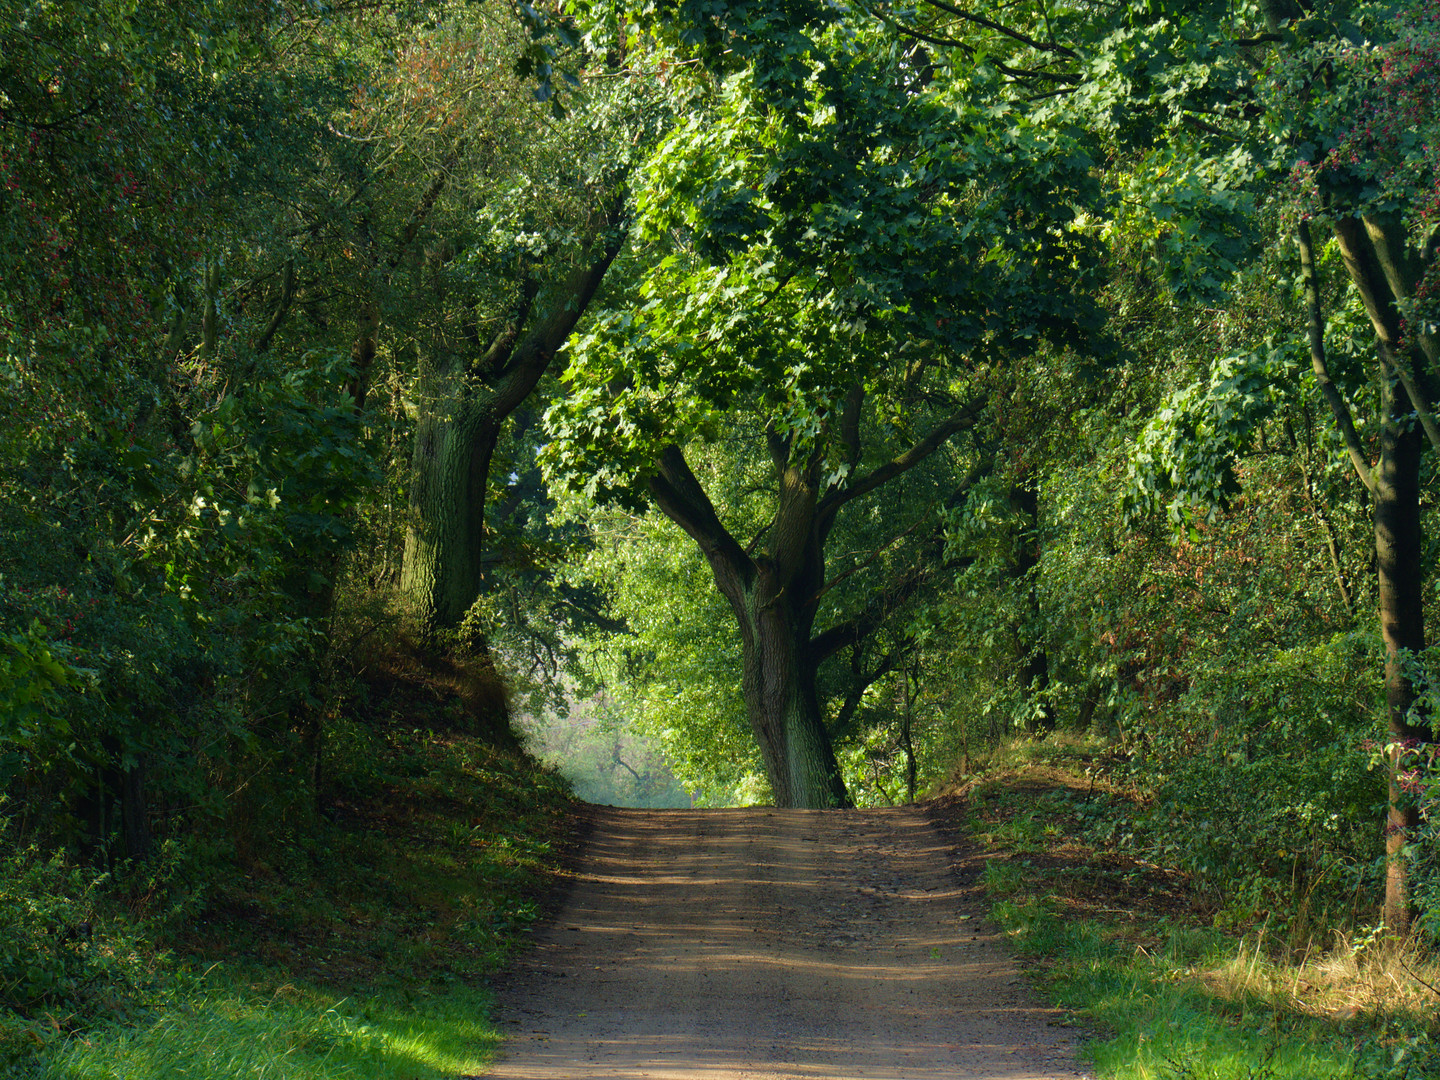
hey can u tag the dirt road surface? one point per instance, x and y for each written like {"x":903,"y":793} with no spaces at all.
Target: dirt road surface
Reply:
{"x":774,"y":945}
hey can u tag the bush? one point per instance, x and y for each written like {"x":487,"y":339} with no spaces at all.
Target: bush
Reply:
{"x":66,"y":963}
{"x":1263,"y":784}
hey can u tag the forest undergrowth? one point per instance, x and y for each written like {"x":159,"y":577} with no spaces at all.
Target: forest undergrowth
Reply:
{"x":1178,"y":981}
{"x":345,"y":940}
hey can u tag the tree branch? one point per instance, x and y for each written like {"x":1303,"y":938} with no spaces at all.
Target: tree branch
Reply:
{"x":850,"y":425}
{"x":422,"y":209}
{"x":1403,"y":272}
{"x":1024,"y":39}
{"x":1371,"y":276}
{"x":869,"y":560}
{"x":532,"y":356}
{"x":969,"y":50}
{"x":618,"y":760}
{"x":862,"y":680}
{"x":683,"y":500}
{"x":959,"y":422}
{"x":855,"y":630}
{"x":502,"y":345}
{"x":1316,"y":324}
{"x":287,"y":294}
{"x":778,"y":446}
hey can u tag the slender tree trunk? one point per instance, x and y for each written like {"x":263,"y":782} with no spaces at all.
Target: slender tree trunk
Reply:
{"x":1402,"y":623}
{"x":907,"y":740}
{"x":1384,"y":274}
{"x":1035,"y":670}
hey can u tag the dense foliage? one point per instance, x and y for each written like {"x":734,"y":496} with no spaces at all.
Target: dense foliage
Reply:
{"x":832,"y":390}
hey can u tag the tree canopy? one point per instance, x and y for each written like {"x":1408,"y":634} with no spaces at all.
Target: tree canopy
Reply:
{"x":833,"y":390}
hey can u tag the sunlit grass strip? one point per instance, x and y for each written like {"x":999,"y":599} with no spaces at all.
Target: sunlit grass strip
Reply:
{"x":1163,"y":1020}
{"x":291,"y":1036}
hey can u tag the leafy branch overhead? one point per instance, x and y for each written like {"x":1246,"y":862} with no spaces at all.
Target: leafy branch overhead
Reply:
{"x":795,"y":254}
{"x":816,"y":395}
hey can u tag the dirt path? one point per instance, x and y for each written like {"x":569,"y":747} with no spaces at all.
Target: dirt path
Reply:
{"x":773,"y":945}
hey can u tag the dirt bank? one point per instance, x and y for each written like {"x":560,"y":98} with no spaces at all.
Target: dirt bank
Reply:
{"x":764,"y":944}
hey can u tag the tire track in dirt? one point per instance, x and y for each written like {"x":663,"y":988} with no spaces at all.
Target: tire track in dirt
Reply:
{"x":767,"y":944}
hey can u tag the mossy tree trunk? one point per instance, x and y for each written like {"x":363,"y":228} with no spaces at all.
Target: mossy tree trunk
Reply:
{"x":1402,"y":624}
{"x":465,"y":403}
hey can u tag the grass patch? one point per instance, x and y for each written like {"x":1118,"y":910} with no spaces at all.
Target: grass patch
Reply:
{"x":226,"y":1032}
{"x":352,"y":938}
{"x":1130,"y":950}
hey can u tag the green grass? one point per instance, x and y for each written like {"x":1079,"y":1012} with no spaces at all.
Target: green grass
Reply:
{"x":354,"y":942}
{"x":227,"y":1032}
{"x":1158,"y":1018}
{"x":1125,"y":946}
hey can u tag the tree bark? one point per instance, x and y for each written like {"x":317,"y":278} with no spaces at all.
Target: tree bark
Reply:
{"x":1383,"y":275}
{"x":907,"y":729}
{"x":1035,"y":661}
{"x":1402,"y":624}
{"x":774,"y":598}
{"x":464,"y":407}
{"x":780,"y":697}
{"x":775,"y":595}
{"x":442,"y":569}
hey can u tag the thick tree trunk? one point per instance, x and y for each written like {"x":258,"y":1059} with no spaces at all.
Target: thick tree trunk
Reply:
{"x":773,"y":598}
{"x":781,"y":700}
{"x":441,"y":576}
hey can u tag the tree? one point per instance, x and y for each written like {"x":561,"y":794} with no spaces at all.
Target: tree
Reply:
{"x":850,"y":256}
{"x":521,"y":257}
{"x":113,"y":138}
{"x":467,"y":397}
{"x":1346,"y":118}
{"x":1212,"y":105}
{"x":210,"y":215}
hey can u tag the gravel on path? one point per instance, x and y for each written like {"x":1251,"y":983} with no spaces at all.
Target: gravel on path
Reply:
{"x":765,"y":944}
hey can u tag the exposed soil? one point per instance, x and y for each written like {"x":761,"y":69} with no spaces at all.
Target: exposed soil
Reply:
{"x":773,"y":945}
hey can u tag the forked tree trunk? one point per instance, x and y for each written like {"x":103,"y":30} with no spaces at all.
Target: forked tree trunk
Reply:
{"x":775,"y":594}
